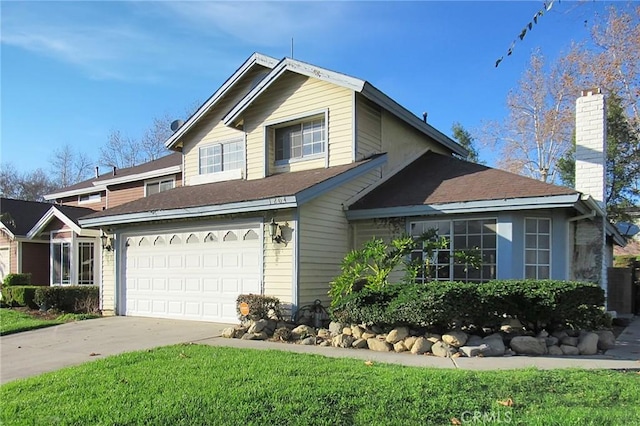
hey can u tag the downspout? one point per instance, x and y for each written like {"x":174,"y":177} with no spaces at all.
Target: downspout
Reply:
{"x":296,"y":270}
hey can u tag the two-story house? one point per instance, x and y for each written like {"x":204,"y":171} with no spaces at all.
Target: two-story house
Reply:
{"x":288,"y":166}
{"x":46,"y":240}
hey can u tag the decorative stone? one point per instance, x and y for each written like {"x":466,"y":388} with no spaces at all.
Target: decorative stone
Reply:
{"x":271,"y":326}
{"x":543,"y":334}
{"x":325,"y":343}
{"x":281,"y":324}
{"x":551,"y":341}
{"x":368,"y":334}
{"x":422,"y":345}
{"x":238,"y":332}
{"x":376,"y":329}
{"x":308,"y":341}
{"x":409,"y":341}
{"x":474,"y":340}
{"x":257,"y":326}
{"x":356,"y":331}
{"x":569,"y":341}
{"x":555,"y":350}
{"x":606,"y":339}
{"x":335,"y":327}
{"x":282,"y":334}
{"x":442,"y":349}
{"x":561,"y":334}
{"x":342,"y":341}
{"x":263,"y":335}
{"x":588,"y":344}
{"x":378,"y":345}
{"x":248,"y":336}
{"x":347,"y":331}
{"x":527,"y":345}
{"x":495,"y":345}
{"x":397,"y":334}
{"x":432,"y":337}
{"x":302,"y":331}
{"x":359,"y":344}
{"x":455,"y":338}
{"x":569,"y":350}
{"x":228,"y":332}
{"x":324,"y":333}
{"x":399,"y":346}
{"x":511,"y":324}
{"x":472,"y":351}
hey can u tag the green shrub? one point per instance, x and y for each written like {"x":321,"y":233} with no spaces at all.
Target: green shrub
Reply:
{"x":260,"y":307}
{"x":20,"y":295}
{"x":75,"y":299}
{"x":16,"y":279}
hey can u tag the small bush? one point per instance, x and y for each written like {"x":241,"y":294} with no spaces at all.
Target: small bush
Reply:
{"x":20,"y":295}
{"x":68,"y":298}
{"x":260,"y":307}
{"x":16,"y":279}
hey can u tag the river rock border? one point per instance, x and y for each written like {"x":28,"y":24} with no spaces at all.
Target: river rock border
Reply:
{"x":512,"y":339}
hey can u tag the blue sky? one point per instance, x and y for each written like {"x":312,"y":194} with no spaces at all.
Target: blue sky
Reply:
{"x":71,"y":72}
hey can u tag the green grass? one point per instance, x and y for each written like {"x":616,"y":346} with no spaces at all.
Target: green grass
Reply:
{"x":12,"y":321}
{"x":198,"y":385}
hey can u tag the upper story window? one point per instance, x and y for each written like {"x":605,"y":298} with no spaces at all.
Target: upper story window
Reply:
{"x":158,"y":186}
{"x":302,"y":139}
{"x":222,"y":157}
{"x":537,"y":246}
{"x":89,"y":198}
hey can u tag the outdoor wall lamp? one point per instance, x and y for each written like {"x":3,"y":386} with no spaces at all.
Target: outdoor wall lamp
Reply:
{"x":107,"y":241}
{"x":273,"y":231}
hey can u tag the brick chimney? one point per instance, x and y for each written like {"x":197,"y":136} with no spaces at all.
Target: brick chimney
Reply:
{"x":590,"y":260}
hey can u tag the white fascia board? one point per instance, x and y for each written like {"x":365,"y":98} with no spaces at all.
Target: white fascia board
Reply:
{"x":274,"y":203}
{"x":483,"y":206}
{"x":298,"y":67}
{"x":140,"y":176}
{"x":256,"y":58}
{"x":97,"y":187}
{"x":7,"y":231}
{"x":379,"y":98}
{"x":46,"y":218}
{"x":316,"y":190}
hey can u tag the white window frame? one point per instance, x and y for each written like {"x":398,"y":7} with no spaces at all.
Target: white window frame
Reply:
{"x":74,"y":244}
{"x":94,"y":260}
{"x":160,"y":181}
{"x":239,"y":140}
{"x":94,"y":197}
{"x":62,"y":242}
{"x":537,"y":249}
{"x":272,"y":126}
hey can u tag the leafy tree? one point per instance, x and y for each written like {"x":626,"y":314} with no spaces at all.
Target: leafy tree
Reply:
{"x":464,"y":138}
{"x":622,"y":163}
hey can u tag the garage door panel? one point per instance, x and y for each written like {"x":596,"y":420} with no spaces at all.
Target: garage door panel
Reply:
{"x":192,"y":275}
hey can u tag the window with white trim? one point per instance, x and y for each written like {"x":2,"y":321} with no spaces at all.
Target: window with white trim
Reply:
{"x":222,"y":157}
{"x":302,"y":139}
{"x":89,"y":198}
{"x":537,"y":248}
{"x":477,"y":236}
{"x":158,"y":186}
{"x":86,"y":265}
{"x":61,"y":262}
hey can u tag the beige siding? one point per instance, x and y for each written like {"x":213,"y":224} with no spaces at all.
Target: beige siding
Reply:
{"x":324,"y":239}
{"x":278,"y":258}
{"x":210,"y":129}
{"x":293,"y":96}
{"x":108,"y":283}
{"x":369,"y":128}
{"x":12,"y":246}
{"x":403,"y":143}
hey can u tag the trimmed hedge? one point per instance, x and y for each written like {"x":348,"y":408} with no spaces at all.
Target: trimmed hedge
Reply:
{"x":76,"y":299}
{"x":260,"y":307}
{"x":20,"y":295}
{"x":441,"y":305}
{"x":16,"y":279}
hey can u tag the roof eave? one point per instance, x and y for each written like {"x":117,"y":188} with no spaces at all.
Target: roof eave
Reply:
{"x":139,"y":176}
{"x":80,"y":191}
{"x":46,"y":218}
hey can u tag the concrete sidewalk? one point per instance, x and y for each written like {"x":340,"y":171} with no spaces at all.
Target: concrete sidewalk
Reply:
{"x":34,"y":352}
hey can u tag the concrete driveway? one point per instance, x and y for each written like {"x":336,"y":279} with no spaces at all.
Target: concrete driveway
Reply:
{"x":34,"y":352}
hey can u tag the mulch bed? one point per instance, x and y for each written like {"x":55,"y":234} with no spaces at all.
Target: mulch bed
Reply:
{"x":38,"y":314}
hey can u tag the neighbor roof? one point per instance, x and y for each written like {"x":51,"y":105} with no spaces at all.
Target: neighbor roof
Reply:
{"x":278,"y":191}
{"x":26,"y":214}
{"x":435,"y":179}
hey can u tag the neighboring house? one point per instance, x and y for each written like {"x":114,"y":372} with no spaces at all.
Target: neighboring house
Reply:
{"x":630,"y":230}
{"x":288,"y":166}
{"x":46,"y":240}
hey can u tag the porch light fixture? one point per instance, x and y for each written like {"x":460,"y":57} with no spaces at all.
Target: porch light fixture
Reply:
{"x":107,"y":242}
{"x":273,"y":231}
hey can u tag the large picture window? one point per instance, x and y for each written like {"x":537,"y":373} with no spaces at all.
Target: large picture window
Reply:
{"x":537,"y":254}
{"x":299,"y":140}
{"x":477,"y":237}
{"x":222,"y":157}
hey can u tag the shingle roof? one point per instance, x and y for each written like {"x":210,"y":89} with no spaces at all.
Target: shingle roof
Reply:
{"x":25,"y":214}
{"x":438,"y":179}
{"x":173,"y":159}
{"x":234,"y":191}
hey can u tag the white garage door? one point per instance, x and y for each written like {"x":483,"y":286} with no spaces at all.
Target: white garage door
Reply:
{"x":4,"y":262}
{"x":193,"y":275}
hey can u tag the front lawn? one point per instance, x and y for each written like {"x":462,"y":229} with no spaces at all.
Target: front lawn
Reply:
{"x":197,"y":385}
{"x":16,"y":320}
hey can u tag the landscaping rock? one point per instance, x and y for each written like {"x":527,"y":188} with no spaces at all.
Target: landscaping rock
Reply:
{"x":228,"y":332}
{"x":511,"y":324}
{"x":399,"y":347}
{"x":342,"y":341}
{"x":397,"y":334}
{"x":442,"y":349}
{"x":335,"y":327}
{"x":551,"y":341}
{"x":325,"y":343}
{"x":308,"y":341}
{"x":472,"y":351}
{"x":302,"y":331}
{"x":378,"y":345}
{"x":271,"y":326}
{"x":409,"y":341}
{"x":356,"y":331}
{"x":421,"y":345}
{"x":543,"y":334}
{"x":527,"y":345}
{"x":432,"y":337}
{"x":569,"y":341}
{"x":561,"y":334}
{"x":606,"y":339}
{"x":455,"y":338}
{"x":238,"y":332}
{"x":376,"y":329}
{"x":569,"y":350}
{"x":588,"y":344}
{"x":282,"y":334}
{"x":347,"y":331}
{"x":359,"y":344}
{"x":281,"y":324}
{"x":367,"y":334}
{"x":495,"y":345}
{"x":555,"y":350}
{"x":257,"y":326}
{"x":263,"y":335}
{"x":474,"y":340}
{"x":248,"y":336}
{"x":324,"y":333}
